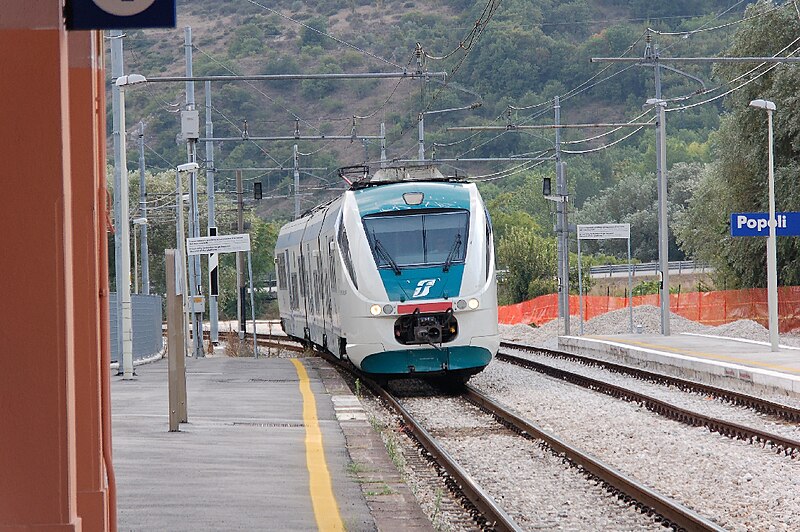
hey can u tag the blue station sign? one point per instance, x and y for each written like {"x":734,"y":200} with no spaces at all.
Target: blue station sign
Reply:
{"x":755,"y":224}
{"x":119,"y":14}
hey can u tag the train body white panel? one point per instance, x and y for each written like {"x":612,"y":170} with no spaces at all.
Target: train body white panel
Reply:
{"x":398,"y":278}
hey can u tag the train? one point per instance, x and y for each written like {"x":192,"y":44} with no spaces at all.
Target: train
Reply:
{"x":396,"y":275}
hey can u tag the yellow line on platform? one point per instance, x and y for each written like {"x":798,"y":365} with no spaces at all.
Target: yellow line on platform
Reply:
{"x":712,"y":356}
{"x":326,"y":510}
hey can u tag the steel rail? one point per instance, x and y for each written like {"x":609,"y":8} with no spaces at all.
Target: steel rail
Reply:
{"x":782,"y":444}
{"x":495,"y":517}
{"x":628,"y":489}
{"x":756,"y":403}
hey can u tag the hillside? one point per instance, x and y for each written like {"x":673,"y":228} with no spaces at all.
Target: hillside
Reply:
{"x":525,"y":53}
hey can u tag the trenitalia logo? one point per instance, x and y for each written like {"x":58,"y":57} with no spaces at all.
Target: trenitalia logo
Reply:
{"x":424,"y":287}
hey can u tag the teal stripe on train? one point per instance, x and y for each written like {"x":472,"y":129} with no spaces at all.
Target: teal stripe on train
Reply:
{"x":387,"y":198}
{"x":422,"y":360}
{"x":419,"y":284}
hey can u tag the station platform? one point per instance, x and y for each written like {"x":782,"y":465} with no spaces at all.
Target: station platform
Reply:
{"x":270,"y":444}
{"x":731,"y":362}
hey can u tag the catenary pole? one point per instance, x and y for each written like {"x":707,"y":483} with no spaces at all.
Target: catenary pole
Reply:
{"x":115,"y":37}
{"x":122,"y":252}
{"x":661,"y":182}
{"x":296,"y":160}
{"x":240,"y":292}
{"x":195,"y":287}
{"x":143,"y":214}
{"x":561,"y":224}
{"x":213,"y":259}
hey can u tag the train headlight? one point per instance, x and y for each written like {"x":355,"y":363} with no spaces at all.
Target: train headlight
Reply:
{"x":388,"y":309}
{"x":375,"y":310}
{"x":473,"y":303}
{"x":461,"y":305}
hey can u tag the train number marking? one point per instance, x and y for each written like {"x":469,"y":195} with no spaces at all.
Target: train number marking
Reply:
{"x":424,"y":287}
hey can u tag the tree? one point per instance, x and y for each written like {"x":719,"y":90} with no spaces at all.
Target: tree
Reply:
{"x":634,"y":200}
{"x":738,"y":182}
{"x":529,"y":261}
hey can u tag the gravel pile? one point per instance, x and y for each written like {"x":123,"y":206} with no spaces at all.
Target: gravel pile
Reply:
{"x":648,"y":316}
{"x":738,"y":485}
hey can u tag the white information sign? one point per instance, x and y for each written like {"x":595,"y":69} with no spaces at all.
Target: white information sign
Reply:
{"x":217,"y":244}
{"x":603,"y":231}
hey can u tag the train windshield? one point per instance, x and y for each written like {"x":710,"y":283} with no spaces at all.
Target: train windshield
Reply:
{"x":419,"y":239}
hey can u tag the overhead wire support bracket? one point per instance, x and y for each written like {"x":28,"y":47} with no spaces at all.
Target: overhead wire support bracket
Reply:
{"x":512,"y":127}
{"x":650,"y":62}
{"x":286,"y":77}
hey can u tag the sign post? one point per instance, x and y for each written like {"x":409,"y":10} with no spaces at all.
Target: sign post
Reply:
{"x":602,"y":232}
{"x":211,"y":245}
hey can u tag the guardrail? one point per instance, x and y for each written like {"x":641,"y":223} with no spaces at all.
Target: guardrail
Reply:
{"x":648,"y":268}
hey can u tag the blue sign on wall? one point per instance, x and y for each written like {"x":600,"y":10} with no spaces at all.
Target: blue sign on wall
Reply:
{"x":755,"y":224}
{"x":119,"y":14}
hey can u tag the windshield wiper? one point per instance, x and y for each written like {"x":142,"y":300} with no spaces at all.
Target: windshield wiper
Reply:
{"x":452,"y":254}
{"x":382,"y":250}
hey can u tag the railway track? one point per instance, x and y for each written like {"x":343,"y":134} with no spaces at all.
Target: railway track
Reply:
{"x":761,"y":405}
{"x":487,"y":513}
{"x":781,"y":444}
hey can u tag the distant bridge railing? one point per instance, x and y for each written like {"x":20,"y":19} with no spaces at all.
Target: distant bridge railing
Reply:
{"x":649,"y":268}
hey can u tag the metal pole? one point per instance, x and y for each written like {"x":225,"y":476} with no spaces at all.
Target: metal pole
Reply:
{"x":195,"y":286}
{"x":252,"y":303}
{"x":213,"y":259}
{"x":772,"y":259}
{"x":421,"y":137}
{"x":116,"y":71}
{"x":630,"y":284}
{"x":180,"y":242}
{"x":383,"y":145}
{"x":563,"y":228}
{"x":135,"y":264}
{"x":240,"y":302}
{"x":143,"y":214}
{"x":296,"y":184}
{"x":663,"y":232}
{"x":580,"y":287}
{"x":123,"y":225}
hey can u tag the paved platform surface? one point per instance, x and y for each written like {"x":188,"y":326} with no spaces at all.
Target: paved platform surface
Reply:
{"x":241,"y":461}
{"x":742,"y":363}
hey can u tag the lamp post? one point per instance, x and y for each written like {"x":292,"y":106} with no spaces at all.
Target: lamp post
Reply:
{"x":421,"y":138}
{"x":772,"y":259}
{"x":123,"y":267}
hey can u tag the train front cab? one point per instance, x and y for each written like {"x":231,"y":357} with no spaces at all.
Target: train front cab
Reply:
{"x":430,"y":306}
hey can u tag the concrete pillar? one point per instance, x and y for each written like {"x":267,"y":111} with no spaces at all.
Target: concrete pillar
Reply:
{"x":89,"y":280}
{"x":51,"y":277}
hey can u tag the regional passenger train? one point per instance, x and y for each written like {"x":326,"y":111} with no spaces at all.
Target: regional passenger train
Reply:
{"x":397,"y":275}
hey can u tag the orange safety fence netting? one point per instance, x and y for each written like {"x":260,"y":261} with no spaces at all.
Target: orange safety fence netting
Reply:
{"x":708,"y":308}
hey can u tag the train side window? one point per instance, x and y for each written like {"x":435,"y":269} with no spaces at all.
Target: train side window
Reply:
{"x":281,"y":271}
{"x":489,"y":242}
{"x":344,"y":248}
{"x":293,"y":299}
{"x":302,"y":268}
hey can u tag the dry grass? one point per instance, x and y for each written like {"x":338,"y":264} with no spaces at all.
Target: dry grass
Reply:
{"x":235,"y":347}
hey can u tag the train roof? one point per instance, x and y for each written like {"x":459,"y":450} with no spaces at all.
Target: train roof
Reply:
{"x":358,"y":177}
